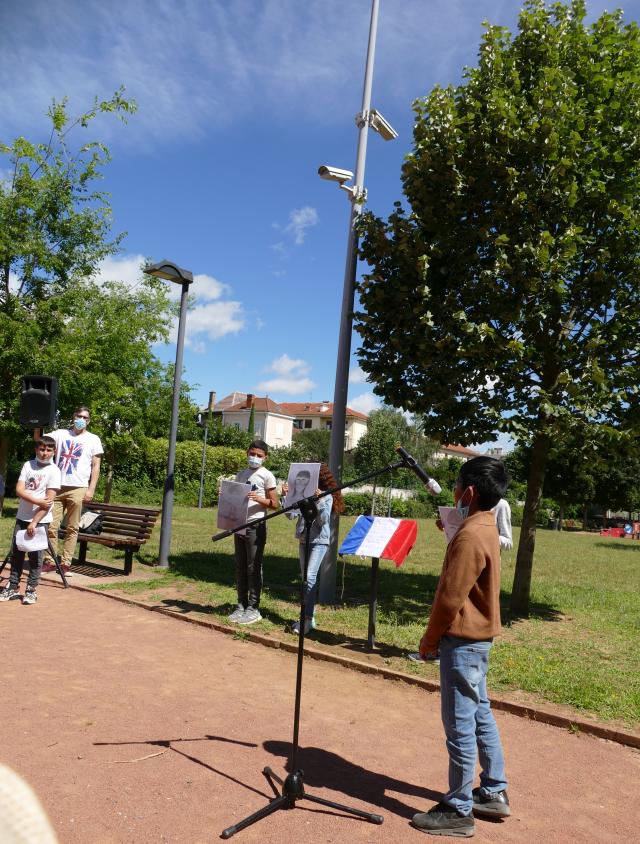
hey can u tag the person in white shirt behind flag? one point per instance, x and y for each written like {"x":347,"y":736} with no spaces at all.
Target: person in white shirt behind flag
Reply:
{"x":78,"y":458}
{"x":502,"y":512}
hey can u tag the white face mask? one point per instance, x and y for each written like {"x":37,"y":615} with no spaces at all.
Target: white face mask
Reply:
{"x":254,"y":462}
{"x":463,"y":509}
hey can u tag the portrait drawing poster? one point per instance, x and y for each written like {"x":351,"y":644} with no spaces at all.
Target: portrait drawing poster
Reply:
{"x":302,"y":480}
{"x":233,"y":504}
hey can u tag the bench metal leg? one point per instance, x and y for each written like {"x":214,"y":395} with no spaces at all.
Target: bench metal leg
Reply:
{"x":82,"y":556}
{"x":128,"y":560}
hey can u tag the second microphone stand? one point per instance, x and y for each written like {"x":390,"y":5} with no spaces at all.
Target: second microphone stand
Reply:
{"x":292,"y":787}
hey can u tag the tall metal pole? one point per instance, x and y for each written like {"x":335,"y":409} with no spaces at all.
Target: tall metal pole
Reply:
{"x":336,"y":447}
{"x":212,"y":401}
{"x":169,"y":484}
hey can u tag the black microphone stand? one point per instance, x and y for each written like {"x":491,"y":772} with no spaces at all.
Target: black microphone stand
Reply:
{"x":293,"y":785}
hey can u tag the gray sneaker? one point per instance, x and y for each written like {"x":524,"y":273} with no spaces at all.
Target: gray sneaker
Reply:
{"x":491,"y":804}
{"x":250,"y":616}
{"x":443,"y":819}
{"x":30,"y":596}
{"x":9,"y":594}
{"x":237,"y":614}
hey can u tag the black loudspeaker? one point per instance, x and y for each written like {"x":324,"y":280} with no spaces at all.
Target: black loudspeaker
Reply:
{"x":38,"y":401}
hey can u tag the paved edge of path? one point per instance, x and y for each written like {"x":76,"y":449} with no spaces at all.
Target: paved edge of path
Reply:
{"x":533,"y":713}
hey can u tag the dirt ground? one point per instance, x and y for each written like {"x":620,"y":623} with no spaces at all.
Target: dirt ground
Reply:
{"x":135,"y":727}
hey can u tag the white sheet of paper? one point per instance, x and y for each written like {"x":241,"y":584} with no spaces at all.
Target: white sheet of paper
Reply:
{"x":37,"y":542}
{"x":451,"y":520}
{"x":378,"y":537}
{"x":233,"y":504}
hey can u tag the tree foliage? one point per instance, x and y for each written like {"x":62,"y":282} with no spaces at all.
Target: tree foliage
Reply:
{"x":508,"y":299}
{"x":54,"y":231}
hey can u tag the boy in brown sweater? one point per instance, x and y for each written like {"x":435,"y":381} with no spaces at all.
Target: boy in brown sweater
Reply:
{"x":465,"y":617}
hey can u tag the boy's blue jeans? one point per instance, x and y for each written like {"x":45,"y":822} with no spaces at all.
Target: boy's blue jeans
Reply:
{"x":316,"y":556}
{"x":468,"y":722}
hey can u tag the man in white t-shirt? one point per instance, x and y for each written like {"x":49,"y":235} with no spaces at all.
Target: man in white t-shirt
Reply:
{"x":37,"y":485}
{"x":78,"y":458}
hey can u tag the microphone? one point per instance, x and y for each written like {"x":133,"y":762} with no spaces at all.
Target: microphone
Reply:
{"x":410,"y":462}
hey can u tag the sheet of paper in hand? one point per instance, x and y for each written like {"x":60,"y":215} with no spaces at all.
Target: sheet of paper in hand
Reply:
{"x":233,"y":504}
{"x":37,"y":542}
{"x":451,"y":519}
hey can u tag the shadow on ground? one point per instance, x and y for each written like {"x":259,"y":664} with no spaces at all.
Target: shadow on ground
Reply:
{"x":324,"y":769}
{"x":401,"y":594}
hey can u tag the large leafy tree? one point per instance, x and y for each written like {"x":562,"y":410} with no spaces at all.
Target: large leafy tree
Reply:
{"x":54,"y":231}
{"x":507,"y":298}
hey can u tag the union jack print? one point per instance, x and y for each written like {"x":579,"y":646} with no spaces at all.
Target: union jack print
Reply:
{"x":70,"y":453}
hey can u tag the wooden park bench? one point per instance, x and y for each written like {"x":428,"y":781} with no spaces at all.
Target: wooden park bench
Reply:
{"x":123,"y":526}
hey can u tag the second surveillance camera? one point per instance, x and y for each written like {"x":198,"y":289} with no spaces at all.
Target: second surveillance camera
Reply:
{"x":334,"y":174}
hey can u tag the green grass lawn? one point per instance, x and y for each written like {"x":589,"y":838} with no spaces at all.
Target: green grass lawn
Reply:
{"x":579,"y":647}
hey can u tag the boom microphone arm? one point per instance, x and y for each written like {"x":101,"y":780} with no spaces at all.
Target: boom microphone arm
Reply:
{"x":410,"y":462}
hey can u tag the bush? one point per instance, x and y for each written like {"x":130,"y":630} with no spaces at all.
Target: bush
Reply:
{"x":359,"y":503}
{"x":140,"y":479}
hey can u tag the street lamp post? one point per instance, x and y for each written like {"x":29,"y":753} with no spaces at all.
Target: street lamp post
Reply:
{"x":207,"y":420}
{"x":172,"y":272}
{"x":367,"y":118}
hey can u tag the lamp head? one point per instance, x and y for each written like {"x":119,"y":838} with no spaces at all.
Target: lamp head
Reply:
{"x":169,"y":271}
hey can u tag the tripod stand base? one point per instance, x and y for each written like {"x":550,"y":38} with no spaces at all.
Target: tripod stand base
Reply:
{"x":292,"y":790}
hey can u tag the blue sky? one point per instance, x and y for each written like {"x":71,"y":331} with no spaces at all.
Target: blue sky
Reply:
{"x":239,"y":103}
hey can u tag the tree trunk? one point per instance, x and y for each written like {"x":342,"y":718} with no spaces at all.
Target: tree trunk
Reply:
{"x":108,"y":484}
{"x":521,"y":589}
{"x":4,"y":459}
{"x":4,"y":455}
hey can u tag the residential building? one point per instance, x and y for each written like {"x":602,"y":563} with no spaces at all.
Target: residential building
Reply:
{"x":318,"y":416}
{"x":270,"y":422}
{"x":458,"y":451}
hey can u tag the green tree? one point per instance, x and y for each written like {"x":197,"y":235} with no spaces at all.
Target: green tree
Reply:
{"x":251,"y":425}
{"x":54,"y":231}
{"x":376,"y":448}
{"x":508,"y":298}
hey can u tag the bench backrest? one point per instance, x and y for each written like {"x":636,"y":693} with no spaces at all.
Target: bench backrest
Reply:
{"x":126,"y":520}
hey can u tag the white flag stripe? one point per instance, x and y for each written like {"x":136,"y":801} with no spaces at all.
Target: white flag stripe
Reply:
{"x":378,"y":537}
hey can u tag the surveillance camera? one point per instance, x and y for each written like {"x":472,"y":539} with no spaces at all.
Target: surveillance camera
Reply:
{"x":381,"y":126}
{"x":334,"y":174}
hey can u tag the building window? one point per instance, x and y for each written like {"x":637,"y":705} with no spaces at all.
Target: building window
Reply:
{"x":327,"y":425}
{"x":297,"y":424}
{"x":308,"y":423}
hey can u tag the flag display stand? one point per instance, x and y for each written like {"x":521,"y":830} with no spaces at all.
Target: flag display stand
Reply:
{"x":383,"y":538}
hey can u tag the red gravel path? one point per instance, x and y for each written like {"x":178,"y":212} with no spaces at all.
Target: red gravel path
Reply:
{"x":91,"y":686}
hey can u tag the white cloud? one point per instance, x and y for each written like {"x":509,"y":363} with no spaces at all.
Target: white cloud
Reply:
{"x":199,"y":66}
{"x":126,"y":269}
{"x":286,"y":386}
{"x":291,"y":377}
{"x":365,"y":403}
{"x":357,"y":376}
{"x":284,"y":365}
{"x":210,"y":318}
{"x":301,"y":219}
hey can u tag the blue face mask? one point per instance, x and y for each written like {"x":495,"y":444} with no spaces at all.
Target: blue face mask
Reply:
{"x":79,"y":423}
{"x":254,"y":461}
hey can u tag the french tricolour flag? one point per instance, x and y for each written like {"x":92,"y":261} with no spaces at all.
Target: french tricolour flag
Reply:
{"x":385,"y":538}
